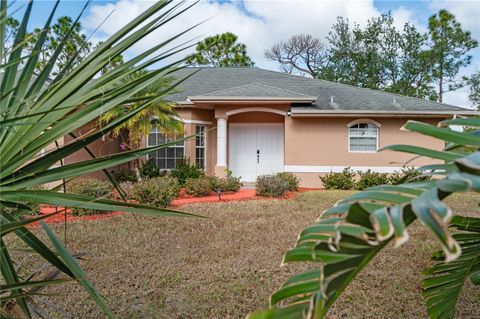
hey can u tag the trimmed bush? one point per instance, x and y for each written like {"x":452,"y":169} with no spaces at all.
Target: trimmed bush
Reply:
{"x":157,"y":191}
{"x":185,"y":170}
{"x":291,"y":180}
{"x":368,"y":179}
{"x":149,"y":169}
{"x":215,"y":183}
{"x":90,"y":187}
{"x":125,"y":175}
{"x":343,"y":180}
{"x":128,"y":189}
{"x":226,"y":184}
{"x":198,"y":186}
{"x":407,"y":174}
{"x":230,"y":183}
{"x":271,"y":186}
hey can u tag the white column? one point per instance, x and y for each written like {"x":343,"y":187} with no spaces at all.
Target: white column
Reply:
{"x":221,"y":142}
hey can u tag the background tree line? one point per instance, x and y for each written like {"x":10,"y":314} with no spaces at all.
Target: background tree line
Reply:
{"x":378,"y":56}
{"x":75,"y":48}
{"x":381,"y":57}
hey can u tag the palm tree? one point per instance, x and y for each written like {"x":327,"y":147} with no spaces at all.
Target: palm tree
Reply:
{"x":38,"y":110}
{"x":161,"y":113}
{"x":348,"y":236}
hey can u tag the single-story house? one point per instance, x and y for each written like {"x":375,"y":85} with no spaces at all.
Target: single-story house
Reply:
{"x":255,"y":122}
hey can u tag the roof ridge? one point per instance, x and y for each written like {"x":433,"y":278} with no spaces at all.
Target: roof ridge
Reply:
{"x":222,"y":90}
{"x":277,"y":88}
{"x":220,"y":67}
{"x":253,"y":83}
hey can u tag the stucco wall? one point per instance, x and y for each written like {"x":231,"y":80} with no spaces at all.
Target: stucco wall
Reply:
{"x":101,"y":147}
{"x":257,"y":117}
{"x":311,"y":144}
{"x":323,"y":142}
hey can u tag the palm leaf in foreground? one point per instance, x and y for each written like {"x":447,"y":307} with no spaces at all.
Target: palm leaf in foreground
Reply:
{"x":348,"y":236}
{"x":36,"y":110}
{"x":444,"y":282}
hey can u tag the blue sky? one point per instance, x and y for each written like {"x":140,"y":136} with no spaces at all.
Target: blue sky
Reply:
{"x":261,"y":23}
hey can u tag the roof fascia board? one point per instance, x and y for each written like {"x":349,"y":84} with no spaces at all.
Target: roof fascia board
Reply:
{"x":381,"y":113}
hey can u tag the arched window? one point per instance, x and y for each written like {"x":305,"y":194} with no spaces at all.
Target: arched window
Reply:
{"x":363,"y":137}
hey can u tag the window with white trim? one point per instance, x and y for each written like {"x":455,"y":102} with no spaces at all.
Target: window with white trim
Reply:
{"x":168,"y":157}
{"x":200,"y":146}
{"x":363,"y":137}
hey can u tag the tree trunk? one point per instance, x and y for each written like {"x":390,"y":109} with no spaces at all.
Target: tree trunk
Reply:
{"x":440,"y":86}
{"x":440,"y":81}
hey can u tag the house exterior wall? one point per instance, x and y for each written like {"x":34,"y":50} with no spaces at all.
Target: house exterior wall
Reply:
{"x":101,"y":147}
{"x":192,"y":118}
{"x":257,"y":117}
{"x":314,"y":146}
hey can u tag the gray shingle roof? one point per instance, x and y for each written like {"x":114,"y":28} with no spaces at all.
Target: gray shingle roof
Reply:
{"x":330,"y":96}
{"x":254,"y":91}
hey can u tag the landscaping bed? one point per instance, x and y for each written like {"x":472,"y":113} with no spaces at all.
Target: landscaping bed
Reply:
{"x":186,"y":184}
{"x":183,"y":199}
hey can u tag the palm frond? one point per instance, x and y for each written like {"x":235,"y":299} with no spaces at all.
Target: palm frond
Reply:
{"x":348,"y":236}
{"x":37,"y":109}
{"x":443,"y":281}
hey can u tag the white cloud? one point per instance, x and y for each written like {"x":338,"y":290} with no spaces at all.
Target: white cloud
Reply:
{"x":458,"y":97}
{"x":402,"y":15}
{"x":260,"y":24}
{"x":264,"y":24}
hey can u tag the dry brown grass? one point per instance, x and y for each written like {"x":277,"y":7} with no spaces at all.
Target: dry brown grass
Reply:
{"x":228,"y":265}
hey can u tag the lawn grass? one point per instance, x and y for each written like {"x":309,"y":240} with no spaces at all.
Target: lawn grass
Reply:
{"x":228,"y":265}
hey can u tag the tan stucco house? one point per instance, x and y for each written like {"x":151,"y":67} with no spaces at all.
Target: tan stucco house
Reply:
{"x":265,"y":122}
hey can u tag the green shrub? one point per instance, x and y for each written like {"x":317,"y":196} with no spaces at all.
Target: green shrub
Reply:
{"x":229,"y":183}
{"x":271,"y":185}
{"x":90,"y":187}
{"x":125,"y":175}
{"x":149,"y":169}
{"x":157,"y":191}
{"x":185,"y":170}
{"x":128,"y":187}
{"x":201,"y":186}
{"x":215,"y":183}
{"x":291,"y":180}
{"x":407,"y":174}
{"x":368,"y":179}
{"x":343,"y":180}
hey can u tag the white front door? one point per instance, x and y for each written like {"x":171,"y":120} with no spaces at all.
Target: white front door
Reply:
{"x":255,"y":149}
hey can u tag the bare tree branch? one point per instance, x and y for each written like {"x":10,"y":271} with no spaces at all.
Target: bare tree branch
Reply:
{"x":302,"y":52}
